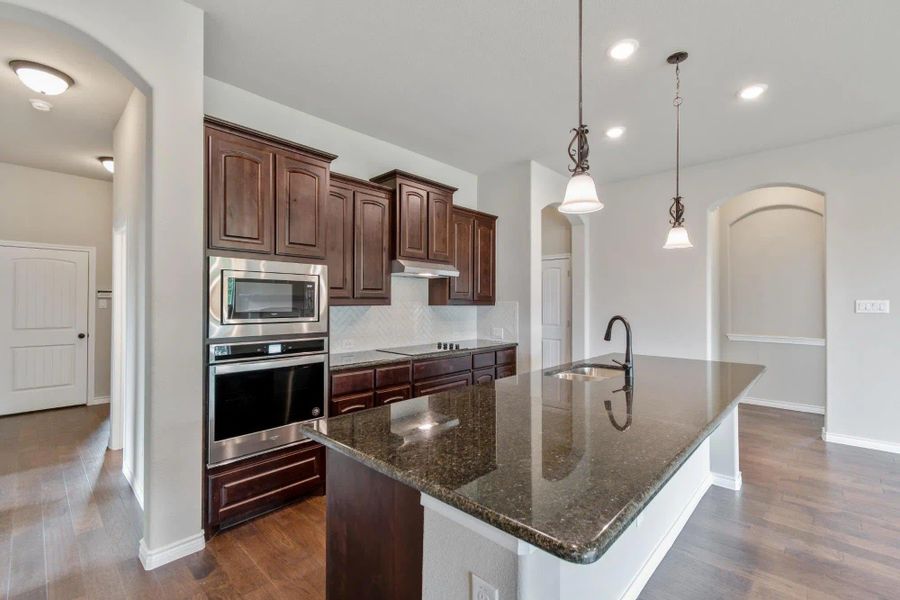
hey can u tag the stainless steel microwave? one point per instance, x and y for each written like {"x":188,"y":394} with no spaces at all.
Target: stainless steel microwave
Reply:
{"x":250,"y":298}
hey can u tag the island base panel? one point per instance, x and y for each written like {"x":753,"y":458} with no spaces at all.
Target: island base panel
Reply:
{"x":374,"y":534}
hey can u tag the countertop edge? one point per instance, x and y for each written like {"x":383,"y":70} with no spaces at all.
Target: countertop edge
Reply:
{"x":585,"y":553}
{"x":364,"y":364}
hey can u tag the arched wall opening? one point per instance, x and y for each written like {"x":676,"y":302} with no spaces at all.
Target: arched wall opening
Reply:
{"x":767,"y":291}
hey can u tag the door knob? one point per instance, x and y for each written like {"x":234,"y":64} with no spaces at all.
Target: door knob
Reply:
{"x":81,"y":336}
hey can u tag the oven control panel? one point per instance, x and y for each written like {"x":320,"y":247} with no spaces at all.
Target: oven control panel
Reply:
{"x":248,"y":350}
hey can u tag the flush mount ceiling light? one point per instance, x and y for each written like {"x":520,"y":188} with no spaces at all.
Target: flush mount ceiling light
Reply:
{"x":581,"y":193}
{"x":678,"y":235}
{"x":753,"y":92}
{"x":623,"y":50}
{"x":616,"y":132}
{"x":41,"y":105}
{"x":108,"y":163}
{"x":41,"y":78}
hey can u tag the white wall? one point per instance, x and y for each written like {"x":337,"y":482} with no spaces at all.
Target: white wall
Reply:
{"x":771,"y":244}
{"x":159,"y":47}
{"x":130,"y":204}
{"x":667,"y":296}
{"x":56,"y":208}
{"x":556,"y":232}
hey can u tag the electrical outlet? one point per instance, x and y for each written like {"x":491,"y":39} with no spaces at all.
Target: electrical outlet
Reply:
{"x":497,"y":333}
{"x":873,"y":306}
{"x":345,"y":345}
{"x":482,"y":590}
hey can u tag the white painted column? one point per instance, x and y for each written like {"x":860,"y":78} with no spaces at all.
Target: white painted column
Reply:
{"x":724,"y":453}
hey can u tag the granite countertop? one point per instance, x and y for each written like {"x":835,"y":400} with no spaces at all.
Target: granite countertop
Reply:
{"x":563,"y":465}
{"x":370,"y":358}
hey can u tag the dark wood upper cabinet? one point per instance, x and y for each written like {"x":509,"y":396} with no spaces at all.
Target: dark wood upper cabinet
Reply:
{"x":463,"y":230}
{"x":484,"y":258}
{"x":412,"y":222}
{"x":239,"y":188}
{"x":339,"y":240}
{"x":420,"y":214}
{"x":440,"y":207}
{"x":265,"y":194}
{"x":358,"y":240}
{"x":473,"y":253}
{"x":301,"y":192}
{"x":372,"y":241}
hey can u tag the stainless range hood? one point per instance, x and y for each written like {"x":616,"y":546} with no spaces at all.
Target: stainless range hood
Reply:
{"x":405,"y":267}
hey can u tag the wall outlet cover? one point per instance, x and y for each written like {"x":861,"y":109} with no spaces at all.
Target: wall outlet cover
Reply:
{"x":482,"y":590}
{"x":497,"y":333}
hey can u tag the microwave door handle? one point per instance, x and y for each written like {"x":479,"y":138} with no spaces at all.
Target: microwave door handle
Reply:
{"x":266,"y":364}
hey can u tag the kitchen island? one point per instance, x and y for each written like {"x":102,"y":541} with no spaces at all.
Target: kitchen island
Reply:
{"x":542,"y":486}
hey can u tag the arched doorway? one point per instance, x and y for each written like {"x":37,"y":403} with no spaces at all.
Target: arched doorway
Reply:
{"x":767,"y":269}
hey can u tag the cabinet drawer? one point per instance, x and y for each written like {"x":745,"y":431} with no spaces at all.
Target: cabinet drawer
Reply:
{"x":483,"y":375}
{"x":393,"y":394}
{"x":506,"y":371}
{"x":441,"y":366}
{"x":351,"y":403}
{"x":257,"y":485}
{"x":483,"y":359}
{"x":506,"y":357}
{"x":442,"y":384}
{"x":391,"y":376}
{"x":350,"y":382}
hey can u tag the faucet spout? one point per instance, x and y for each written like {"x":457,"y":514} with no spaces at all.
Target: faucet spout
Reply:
{"x":629,"y":357}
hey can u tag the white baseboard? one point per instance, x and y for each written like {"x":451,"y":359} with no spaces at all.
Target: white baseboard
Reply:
{"x":98,"y":400}
{"x":730,"y":483}
{"x":665,"y":544}
{"x":138,"y":489}
{"x":860,"y":442}
{"x":152,"y":559}
{"x":795,"y":406}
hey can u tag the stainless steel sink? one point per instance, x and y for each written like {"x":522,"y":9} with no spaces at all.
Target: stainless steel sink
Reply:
{"x":591,"y":372}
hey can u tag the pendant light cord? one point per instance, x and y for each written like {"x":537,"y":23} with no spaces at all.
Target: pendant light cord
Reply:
{"x":677,"y":104}
{"x":580,"y":69}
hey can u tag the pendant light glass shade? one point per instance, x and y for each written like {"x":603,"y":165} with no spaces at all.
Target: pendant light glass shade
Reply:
{"x":581,"y":195}
{"x":678,"y":238}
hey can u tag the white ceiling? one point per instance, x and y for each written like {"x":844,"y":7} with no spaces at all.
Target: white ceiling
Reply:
{"x":69,"y":138}
{"x":479,"y":84}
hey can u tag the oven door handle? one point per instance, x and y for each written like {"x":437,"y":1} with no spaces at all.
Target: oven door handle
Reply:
{"x":270,"y":363}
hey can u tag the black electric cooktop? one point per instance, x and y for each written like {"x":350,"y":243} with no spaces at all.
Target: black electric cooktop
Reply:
{"x":437,"y":347}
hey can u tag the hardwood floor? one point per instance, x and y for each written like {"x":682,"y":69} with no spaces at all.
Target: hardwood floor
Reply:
{"x":813,"y":521}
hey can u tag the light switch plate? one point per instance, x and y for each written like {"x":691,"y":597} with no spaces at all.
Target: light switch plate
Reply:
{"x":497,"y":333}
{"x":482,"y":590}
{"x":873,"y":306}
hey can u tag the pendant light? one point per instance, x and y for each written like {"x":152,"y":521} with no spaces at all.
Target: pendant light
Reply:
{"x":678,"y":235}
{"x":581,"y":193}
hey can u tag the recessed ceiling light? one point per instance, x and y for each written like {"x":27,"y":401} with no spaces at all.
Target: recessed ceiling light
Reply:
{"x":616,"y":132}
{"x":41,"y":78}
{"x":623,"y":50}
{"x":41,"y":105}
{"x":107,"y":162}
{"x":752,"y":92}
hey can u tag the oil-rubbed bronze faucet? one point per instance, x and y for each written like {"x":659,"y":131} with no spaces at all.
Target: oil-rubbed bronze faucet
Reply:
{"x":628,"y":365}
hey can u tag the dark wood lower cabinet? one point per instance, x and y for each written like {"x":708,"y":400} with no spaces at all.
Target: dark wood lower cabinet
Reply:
{"x":247,"y":488}
{"x":341,"y":405}
{"x":442,"y":384}
{"x":374,"y":547}
{"x":393,"y":394}
{"x":483,"y":375}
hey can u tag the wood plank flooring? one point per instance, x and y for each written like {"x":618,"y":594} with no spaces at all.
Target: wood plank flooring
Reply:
{"x":813,"y":521}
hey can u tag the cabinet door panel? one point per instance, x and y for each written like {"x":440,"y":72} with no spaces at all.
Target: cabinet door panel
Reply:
{"x":352,"y":403}
{"x":484,"y":260}
{"x":239,"y":193}
{"x":483,"y":376}
{"x":372,"y":277}
{"x":301,"y":186}
{"x":440,"y":206}
{"x":394,"y":394}
{"x":339,"y":241}
{"x":461,"y":287}
{"x":434,"y":386}
{"x":412,"y":229}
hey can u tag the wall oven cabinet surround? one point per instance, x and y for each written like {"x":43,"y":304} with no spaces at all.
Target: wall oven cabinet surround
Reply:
{"x":250,"y":298}
{"x":473,"y":251}
{"x":265,"y":194}
{"x":259,"y":393}
{"x":421,"y":215}
{"x":358,"y":241}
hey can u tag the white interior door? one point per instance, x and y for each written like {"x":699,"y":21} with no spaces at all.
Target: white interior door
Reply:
{"x":43,"y":311}
{"x":556,"y":312}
